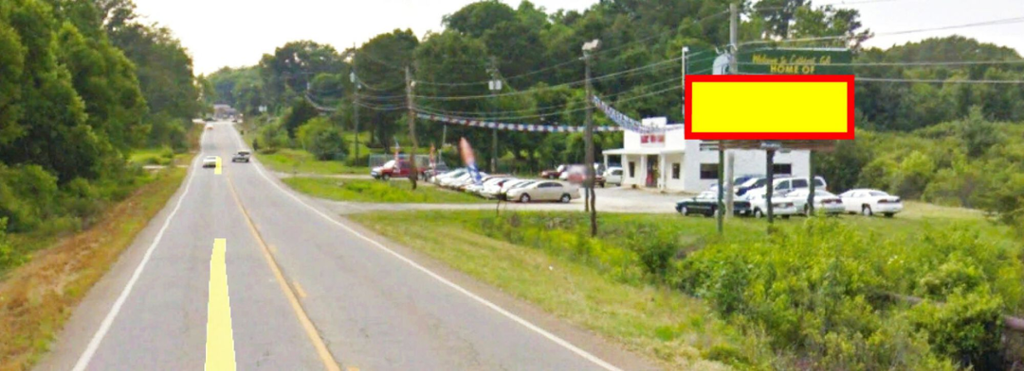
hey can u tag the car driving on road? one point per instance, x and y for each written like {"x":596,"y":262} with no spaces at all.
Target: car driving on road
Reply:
{"x":241,"y":156}
{"x":209,"y":161}
{"x":870,"y":202}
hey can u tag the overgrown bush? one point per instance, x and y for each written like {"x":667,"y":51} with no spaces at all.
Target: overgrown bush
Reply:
{"x":827,"y":290}
{"x":8,"y":257}
{"x":322,"y":139}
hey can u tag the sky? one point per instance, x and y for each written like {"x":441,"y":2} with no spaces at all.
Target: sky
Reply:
{"x":237,"y":33}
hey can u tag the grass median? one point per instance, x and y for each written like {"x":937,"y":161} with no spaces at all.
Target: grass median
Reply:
{"x":812,"y":294}
{"x":286,"y":160}
{"x":393,"y":191}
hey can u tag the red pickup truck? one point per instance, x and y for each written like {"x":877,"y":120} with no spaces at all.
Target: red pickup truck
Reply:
{"x":392,"y":169}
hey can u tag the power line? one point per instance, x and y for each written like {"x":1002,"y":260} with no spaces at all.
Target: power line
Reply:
{"x":898,"y":64}
{"x":630,"y":99}
{"x":551,"y":87}
{"x":904,"y":32}
{"x":938,"y":81}
{"x":558,"y":107}
{"x":575,"y":60}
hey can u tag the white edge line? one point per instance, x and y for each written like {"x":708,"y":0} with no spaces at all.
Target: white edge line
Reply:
{"x":97,"y":338}
{"x":554,"y":338}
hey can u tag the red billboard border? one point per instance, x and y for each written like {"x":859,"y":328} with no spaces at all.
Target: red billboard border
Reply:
{"x":848,"y":135}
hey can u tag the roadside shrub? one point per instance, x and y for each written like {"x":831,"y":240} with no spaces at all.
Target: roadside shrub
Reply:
{"x":655,"y":247}
{"x":8,"y":257}
{"x":322,"y":139}
{"x":824,"y":290}
{"x":968,"y":328}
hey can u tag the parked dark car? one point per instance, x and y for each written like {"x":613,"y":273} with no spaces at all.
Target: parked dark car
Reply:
{"x":706,"y":204}
{"x":554,"y":174}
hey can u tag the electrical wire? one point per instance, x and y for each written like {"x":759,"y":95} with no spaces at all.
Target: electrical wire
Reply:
{"x":630,"y":99}
{"x":898,"y":64}
{"x":937,"y":81}
{"x":570,"y":84}
{"x":996,"y":22}
{"x":556,"y":108}
{"x":576,"y":60}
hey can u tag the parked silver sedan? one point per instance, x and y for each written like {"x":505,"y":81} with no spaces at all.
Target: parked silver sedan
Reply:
{"x":545,"y":191}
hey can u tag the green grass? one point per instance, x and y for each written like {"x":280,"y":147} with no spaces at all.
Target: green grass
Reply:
{"x":542,"y":266}
{"x":299,"y":161}
{"x":152,"y":156}
{"x":394,"y":191}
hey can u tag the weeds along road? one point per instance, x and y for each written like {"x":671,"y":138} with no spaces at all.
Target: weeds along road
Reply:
{"x":239,"y":272}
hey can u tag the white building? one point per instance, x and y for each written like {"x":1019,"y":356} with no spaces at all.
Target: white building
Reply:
{"x":670,"y":162}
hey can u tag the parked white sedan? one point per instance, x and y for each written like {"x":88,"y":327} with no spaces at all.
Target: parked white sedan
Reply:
{"x":870,"y":202}
{"x":824,"y":201}
{"x":545,"y":191}
{"x":781,"y":206}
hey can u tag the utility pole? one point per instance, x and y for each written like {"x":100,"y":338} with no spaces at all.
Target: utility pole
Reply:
{"x":355,"y":106}
{"x":810,"y":195}
{"x":723,"y":206}
{"x":495,"y":87}
{"x":414,"y":173}
{"x":588,"y":48}
{"x":770,"y":186}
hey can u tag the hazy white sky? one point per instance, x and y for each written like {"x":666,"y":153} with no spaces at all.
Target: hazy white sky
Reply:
{"x":238,"y":32}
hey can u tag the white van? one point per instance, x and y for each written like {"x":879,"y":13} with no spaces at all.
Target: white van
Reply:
{"x":782,"y":186}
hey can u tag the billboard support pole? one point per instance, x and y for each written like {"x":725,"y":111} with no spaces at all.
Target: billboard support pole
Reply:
{"x":770,"y":186}
{"x":810,"y":197}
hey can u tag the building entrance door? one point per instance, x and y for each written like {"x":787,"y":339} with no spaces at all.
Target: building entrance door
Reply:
{"x":652,"y":172}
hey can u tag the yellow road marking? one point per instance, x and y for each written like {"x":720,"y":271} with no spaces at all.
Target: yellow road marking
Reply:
{"x":307,"y":325}
{"x":353,"y":369}
{"x":219,"y":168}
{"x":299,"y":290}
{"x":272,"y":249}
{"x":220,"y":342}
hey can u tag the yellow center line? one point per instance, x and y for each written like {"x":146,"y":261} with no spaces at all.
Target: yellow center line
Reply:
{"x":299,"y":290}
{"x":219,"y":169}
{"x":307,"y":325}
{"x":220,"y":342}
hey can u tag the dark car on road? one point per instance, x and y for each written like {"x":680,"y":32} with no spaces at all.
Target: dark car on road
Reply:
{"x":706,"y":204}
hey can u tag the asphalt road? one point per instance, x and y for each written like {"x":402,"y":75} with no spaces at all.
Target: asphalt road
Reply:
{"x":239,"y":272}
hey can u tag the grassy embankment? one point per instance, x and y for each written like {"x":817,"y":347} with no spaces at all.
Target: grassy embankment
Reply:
{"x":38,"y":296}
{"x":394,"y":191}
{"x":637,"y":282}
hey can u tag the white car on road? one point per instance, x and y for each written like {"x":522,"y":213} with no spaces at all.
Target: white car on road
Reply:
{"x":824,"y":201}
{"x":781,"y":206}
{"x":210,"y":161}
{"x":870,"y":202}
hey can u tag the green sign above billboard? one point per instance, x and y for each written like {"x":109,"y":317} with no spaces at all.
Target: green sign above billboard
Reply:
{"x":775,"y":61}
{"x":795,"y":61}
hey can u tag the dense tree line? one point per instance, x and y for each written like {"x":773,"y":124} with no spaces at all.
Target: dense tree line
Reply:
{"x":83,"y":84}
{"x":925,"y":86}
